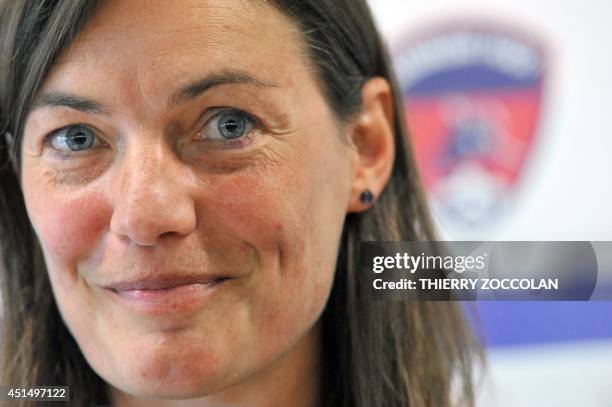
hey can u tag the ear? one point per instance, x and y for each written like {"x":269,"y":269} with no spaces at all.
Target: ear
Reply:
{"x":373,"y":140}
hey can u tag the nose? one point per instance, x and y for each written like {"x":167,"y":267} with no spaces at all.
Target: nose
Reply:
{"x":150,"y":201}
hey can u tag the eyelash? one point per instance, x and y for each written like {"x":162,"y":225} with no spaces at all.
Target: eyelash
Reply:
{"x":49,"y":138}
{"x":211,"y":114}
{"x":216,"y":113}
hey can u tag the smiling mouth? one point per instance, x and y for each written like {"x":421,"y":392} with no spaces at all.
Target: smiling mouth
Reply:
{"x":163,"y":283}
{"x":166,"y":295}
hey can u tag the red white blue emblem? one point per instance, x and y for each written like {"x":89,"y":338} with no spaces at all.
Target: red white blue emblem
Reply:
{"x":473,"y":97}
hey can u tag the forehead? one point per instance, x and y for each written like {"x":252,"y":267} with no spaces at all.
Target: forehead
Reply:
{"x":155,"y":43}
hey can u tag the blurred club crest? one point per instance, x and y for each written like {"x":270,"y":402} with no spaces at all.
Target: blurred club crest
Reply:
{"x":473,"y":96}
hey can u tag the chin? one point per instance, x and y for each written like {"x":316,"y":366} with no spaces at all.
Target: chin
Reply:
{"x":175,"y":386}
{"x":169,"y":377}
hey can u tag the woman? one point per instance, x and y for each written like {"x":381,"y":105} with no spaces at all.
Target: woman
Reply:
{"x":192,"y":180}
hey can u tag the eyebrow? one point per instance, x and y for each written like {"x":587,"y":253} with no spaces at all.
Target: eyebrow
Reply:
{"x":196,"y":88}
{"x":186,"y":93}
{"x":61,"y":99}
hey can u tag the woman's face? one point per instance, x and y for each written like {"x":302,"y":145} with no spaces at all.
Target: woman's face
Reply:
{"x":188,"y":185}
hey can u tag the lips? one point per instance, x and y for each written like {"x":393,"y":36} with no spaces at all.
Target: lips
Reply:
{"x":163,"y":282}
{"x":166,"y":295}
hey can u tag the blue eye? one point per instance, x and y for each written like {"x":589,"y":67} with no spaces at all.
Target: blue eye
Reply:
{"x":73,"y":138}
{"x":227,"y":125}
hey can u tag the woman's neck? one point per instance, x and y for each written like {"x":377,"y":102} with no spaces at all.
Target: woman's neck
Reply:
{"x":292,"y":379}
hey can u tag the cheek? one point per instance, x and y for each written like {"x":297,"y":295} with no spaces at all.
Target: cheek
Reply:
{"x":291,"y":213}
{"x":68,"y":226}
{"x":292,"y":209}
